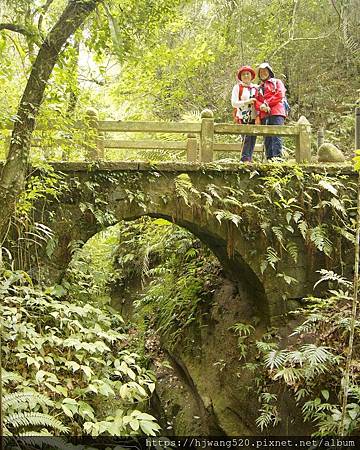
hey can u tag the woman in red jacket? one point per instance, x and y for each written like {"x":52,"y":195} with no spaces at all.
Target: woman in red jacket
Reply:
{"x":270,"y":107}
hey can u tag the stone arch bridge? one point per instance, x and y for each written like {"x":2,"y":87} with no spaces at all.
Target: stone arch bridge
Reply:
{"x":99,"y":195}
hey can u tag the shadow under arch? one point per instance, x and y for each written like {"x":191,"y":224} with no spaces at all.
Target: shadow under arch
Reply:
{"x":236,"y":269}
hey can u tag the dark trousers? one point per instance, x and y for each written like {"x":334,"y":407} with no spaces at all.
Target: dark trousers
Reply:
{"x":273,"y":144}
{"x":248,"y":148}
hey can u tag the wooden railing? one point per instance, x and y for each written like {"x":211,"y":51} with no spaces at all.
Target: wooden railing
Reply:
{"x":199,"y":144}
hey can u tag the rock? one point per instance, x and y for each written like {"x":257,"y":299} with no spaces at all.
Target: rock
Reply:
{"x":330,"y":153}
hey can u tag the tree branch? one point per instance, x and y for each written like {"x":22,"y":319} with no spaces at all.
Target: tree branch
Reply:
{"x":293,"y":20}
{"x":30,"y":34}
{"x":16,"y":28}
{"x":14,"y":172}
{"x":294,"y":39}
{"x":337,"y":11}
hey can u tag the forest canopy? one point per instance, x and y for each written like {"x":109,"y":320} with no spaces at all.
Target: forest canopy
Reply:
{"x":162,"y":59}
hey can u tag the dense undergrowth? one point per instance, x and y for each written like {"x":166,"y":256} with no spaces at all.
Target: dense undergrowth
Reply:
{"x":312,"y":366}
{"x":67,"y":365}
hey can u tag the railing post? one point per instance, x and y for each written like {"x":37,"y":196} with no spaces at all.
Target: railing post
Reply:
{"x":357,"y":128}
{"x":207,"y":136}
{"x":94,"y":140}
{"x":191,"y":148}
{"x":320,"y":137}
{"x":303,"y":141}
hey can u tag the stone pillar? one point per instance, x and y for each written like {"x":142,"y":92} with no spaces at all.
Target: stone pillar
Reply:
{"x":303,"y":141}
{"x":207,"y":136}
{"x":94,"y":140}
{"x":191,"y":148}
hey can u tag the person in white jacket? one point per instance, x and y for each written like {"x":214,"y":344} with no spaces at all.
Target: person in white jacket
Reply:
{"x":243,"y":99}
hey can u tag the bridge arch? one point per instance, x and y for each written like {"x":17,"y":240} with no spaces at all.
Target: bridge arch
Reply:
{"x":103,"y":196}
{"x":209,"y":232}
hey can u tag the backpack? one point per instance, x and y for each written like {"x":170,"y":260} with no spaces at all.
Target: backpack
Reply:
{"x":286,"y":106}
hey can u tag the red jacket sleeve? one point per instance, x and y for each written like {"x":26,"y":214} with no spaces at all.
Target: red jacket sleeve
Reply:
{"x":278,"y":95}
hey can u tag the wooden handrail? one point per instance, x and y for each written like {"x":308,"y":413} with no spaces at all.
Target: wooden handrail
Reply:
{"x":257,"y":130}
{"x":144,"y":145}
{"x":173,"y":127}
{"x":95,"y":140}
{"x":151,"y":127}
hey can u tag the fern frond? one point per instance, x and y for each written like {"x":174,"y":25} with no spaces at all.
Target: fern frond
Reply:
{"x":212,"y":189}
{"x":243,"y":329}
{"x":303,"y":227}
{"x":293,"y":251}
{"x":295,"y":357}
{"x":312,"y":372}
{"x":290,"y":375}
{"x":265,"y":347}
{"x":18,"y":399}
{"x":319,"y":237}
{"x":316,"y":355}
{"x":297,"y":216}
{"x":309,"y":324}
{"x":269,"y":415}
{"x":329,"y":275}
{"x":278,"y":233}
{"x":227,"y":215}
{"x":10,"y":376}
{"x":328,"y":186}
{"x":275,"y":359}
{"x":300,"y":394}
{"x":267,"y":397}
{"x":314,"y":409}
{"x":26,"y":419}
{"x":272,"y":257}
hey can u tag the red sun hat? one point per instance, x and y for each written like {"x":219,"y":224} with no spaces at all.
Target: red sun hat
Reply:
{"x":246,"y":69}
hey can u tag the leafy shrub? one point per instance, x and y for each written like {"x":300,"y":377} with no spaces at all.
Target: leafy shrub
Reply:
{"x":67,"y":365}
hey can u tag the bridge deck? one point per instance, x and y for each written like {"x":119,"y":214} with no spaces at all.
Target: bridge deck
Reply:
{"x":82,"y":166}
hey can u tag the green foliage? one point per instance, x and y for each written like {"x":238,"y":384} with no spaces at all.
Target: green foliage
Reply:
{"x":313,"y":371}
{"x":179,"y":275}
{"x":285,"y":206}
{"x":243,"y":330}
{"x":66,"y":359}
{"x":91,"y":270}
{"x":269,"y":413}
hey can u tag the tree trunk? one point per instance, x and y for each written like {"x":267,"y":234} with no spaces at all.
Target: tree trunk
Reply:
{"x":14,"y":172}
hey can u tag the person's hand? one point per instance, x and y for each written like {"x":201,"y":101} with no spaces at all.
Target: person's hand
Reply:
{"x":252,"y":100}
